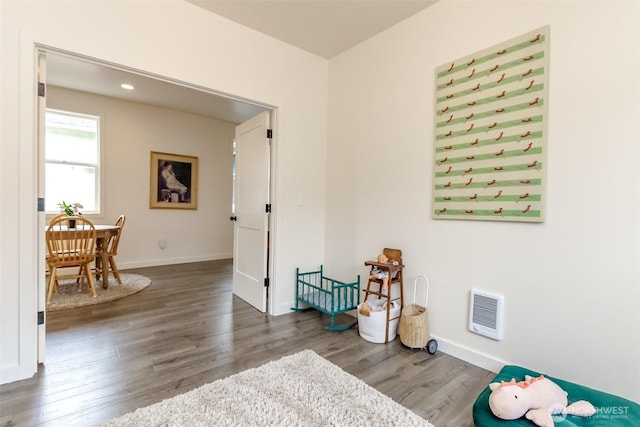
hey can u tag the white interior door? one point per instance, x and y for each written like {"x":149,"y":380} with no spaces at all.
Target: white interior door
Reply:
{"x":252,"y":206}
{"x":42,"y":285}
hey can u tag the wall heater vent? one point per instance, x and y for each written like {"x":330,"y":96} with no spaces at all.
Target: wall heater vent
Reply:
{"x":485,"y":314}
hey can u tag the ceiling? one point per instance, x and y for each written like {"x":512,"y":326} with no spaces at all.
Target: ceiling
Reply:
{"x":325,"y":28}
{"x":105,"y":79}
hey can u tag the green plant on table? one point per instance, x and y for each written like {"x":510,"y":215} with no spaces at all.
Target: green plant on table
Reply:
{"x":70,"y":209}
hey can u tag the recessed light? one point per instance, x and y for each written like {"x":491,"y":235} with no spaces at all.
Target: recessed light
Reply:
{"x":126,"y":86}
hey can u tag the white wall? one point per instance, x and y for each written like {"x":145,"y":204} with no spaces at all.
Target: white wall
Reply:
{"x":130,"y":131}
{"x":182,"y":42}
{"x":576,"y":315}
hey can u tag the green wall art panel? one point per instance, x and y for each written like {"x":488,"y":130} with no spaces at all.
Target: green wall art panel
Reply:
{"x":491,"y":132}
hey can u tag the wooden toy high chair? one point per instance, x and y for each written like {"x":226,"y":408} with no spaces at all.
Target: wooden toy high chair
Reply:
{"x":395,"y":278}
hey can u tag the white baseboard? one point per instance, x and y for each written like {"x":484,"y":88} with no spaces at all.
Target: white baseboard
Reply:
{"x":283,"y":308}
{"x":170,"y":261}
{"x":471,"y":356}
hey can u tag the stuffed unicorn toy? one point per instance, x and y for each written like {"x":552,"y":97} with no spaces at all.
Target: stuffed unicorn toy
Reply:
{"x":535,"y":398}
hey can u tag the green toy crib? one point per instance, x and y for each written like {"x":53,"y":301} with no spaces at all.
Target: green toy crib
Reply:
{"x":326,"y":295}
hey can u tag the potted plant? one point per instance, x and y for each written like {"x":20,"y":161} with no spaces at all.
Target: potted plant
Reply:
{"x":70,"y":210}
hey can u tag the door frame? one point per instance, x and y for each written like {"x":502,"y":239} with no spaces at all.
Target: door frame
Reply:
{"x":43,"y":50}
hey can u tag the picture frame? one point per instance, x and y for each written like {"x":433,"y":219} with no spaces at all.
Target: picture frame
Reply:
{"x":173,"y":181}
{"x":490,"y":139}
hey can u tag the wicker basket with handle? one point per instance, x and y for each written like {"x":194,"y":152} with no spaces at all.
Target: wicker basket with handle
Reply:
{"x":414,"y":320}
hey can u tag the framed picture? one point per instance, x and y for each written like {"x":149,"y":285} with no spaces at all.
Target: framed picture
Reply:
{"x":174,"y":181}
{"x":491,"y":132}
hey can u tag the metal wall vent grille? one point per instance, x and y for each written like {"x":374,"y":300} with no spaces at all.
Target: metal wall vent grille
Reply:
{"x":485,"y":314}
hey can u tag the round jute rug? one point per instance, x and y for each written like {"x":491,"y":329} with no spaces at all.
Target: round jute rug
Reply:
{"x":68,"y":295}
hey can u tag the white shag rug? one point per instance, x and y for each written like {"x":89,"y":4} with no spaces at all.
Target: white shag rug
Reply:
{"x":69,"y":297}
{"x":298,"y":390}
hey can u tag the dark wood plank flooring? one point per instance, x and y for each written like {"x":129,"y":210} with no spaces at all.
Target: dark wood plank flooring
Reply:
{"x":187,"y":329}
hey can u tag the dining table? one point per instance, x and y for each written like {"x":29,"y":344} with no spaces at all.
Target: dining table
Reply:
{"x":103,"y":234}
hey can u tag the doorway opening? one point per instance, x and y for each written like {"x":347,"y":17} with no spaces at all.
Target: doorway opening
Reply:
{"x":77,"y":72}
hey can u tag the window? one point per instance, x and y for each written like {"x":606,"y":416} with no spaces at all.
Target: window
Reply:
{"x":72,"y":161}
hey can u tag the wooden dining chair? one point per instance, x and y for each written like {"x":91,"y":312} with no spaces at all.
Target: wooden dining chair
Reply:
{"x":71,"y":242}
{"x":111,"y":248}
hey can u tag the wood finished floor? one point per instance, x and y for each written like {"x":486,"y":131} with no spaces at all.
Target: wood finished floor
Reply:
{"x":187,"y":329}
